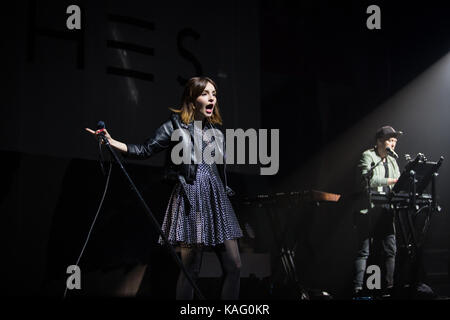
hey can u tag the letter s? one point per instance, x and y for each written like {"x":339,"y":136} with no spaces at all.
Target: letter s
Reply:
{"x":187,"y":32}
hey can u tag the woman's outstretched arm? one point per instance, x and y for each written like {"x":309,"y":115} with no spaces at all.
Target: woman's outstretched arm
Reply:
{"x":114,"y":143}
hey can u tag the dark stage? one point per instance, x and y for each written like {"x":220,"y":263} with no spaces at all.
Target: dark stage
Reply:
{"x":314,"y":70}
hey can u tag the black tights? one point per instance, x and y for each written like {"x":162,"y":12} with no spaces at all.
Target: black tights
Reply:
{"x":230,"y":261}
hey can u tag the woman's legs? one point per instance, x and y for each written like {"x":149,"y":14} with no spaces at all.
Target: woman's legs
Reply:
{"x":230,"y":260}
{"x":192,"y":261}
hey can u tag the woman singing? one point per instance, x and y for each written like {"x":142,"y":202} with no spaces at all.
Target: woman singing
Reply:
{"x":199,"y":213}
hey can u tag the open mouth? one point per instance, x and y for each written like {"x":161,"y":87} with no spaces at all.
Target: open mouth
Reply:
{"x":209,"y":108}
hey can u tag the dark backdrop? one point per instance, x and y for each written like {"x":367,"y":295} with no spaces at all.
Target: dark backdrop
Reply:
{"x":311,"y":69}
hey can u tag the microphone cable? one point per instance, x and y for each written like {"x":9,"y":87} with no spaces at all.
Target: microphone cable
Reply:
{"x":99,"y":207}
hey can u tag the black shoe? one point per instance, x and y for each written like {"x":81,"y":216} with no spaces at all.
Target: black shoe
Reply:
{"x":387,"y":293}
{"x":423,"y":291}
{"x":360,"y":294}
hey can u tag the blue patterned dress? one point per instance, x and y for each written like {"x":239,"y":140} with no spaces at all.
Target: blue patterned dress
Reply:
{"x":210,"y":219}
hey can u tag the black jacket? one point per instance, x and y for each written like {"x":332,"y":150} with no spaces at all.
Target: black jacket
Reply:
{"x":161,"y":140}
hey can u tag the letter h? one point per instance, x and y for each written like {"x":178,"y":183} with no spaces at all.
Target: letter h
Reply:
{"x":34,"y":30}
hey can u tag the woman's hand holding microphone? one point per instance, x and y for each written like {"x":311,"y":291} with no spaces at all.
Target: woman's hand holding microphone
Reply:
{"x":114,"y":143}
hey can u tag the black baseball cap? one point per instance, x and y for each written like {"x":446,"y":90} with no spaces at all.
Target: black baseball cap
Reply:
{"x":387,"y":132}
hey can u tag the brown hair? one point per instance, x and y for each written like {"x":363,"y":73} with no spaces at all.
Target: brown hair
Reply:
{"x":192,"y":90}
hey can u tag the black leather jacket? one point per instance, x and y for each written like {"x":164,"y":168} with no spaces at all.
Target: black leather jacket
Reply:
{"x":161,"y":140}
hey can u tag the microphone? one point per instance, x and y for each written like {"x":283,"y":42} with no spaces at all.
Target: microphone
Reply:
{"x":101,"y":126}
{"x":391,"y":153}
